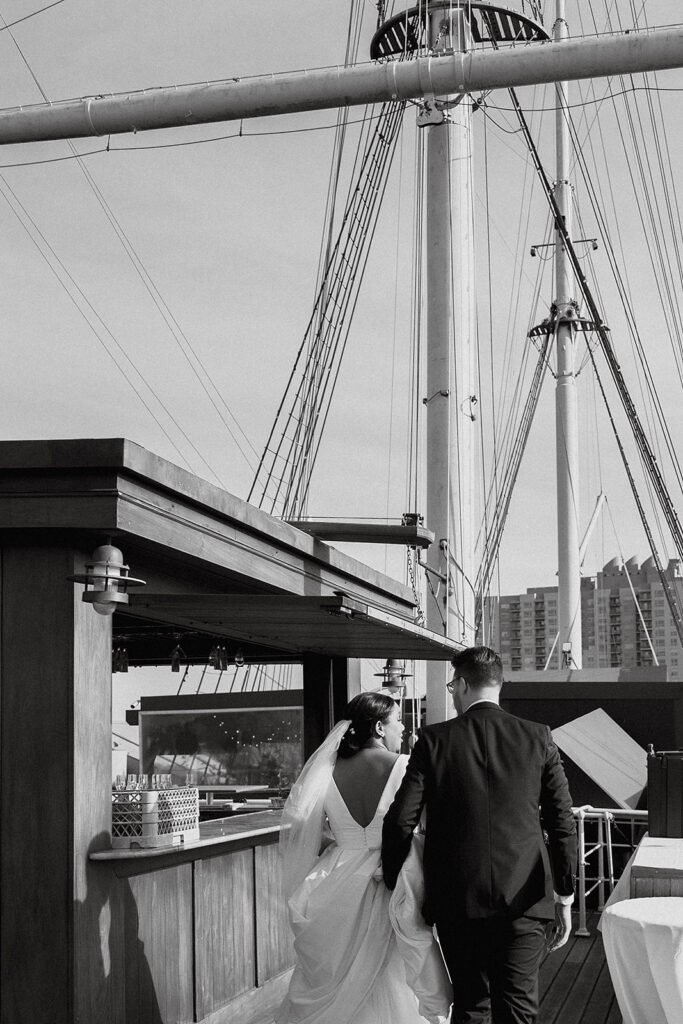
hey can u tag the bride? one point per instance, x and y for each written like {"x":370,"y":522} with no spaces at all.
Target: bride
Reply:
{"x":364,"y":955}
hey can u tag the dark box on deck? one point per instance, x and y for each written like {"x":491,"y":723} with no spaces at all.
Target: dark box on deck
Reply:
{"x":665,"y":793}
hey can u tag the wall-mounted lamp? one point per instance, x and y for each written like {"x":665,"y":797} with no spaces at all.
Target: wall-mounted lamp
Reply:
{"x":106,"y":580}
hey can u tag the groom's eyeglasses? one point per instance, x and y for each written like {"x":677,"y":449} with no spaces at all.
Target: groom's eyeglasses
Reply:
{"x":450,"y":685}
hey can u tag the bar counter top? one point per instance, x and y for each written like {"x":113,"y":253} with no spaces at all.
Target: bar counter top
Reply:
{"x":260,"y":825}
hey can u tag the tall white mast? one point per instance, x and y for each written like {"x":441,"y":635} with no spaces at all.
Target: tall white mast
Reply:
{"x":450,"y":259}
{"x":566,"y":405}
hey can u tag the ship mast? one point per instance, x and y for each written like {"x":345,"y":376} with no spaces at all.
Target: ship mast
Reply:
{"x":566,"y":405}
{"x":450,"y":322}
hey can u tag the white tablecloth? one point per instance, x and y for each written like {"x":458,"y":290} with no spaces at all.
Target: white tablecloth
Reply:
{"x":644,"y":948}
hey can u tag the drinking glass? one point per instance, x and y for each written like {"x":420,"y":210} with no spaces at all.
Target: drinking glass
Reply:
{"x":143,"y":781}
{"x":132,"y":782}
{"x":120,"y":782}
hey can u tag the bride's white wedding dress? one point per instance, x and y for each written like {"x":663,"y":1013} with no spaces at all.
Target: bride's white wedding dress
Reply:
{"x":352,"y":965}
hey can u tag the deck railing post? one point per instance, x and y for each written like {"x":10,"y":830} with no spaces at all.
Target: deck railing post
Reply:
{"x":609,"y":818}
{"x":601,"y":862}
{"x":582,"y":930}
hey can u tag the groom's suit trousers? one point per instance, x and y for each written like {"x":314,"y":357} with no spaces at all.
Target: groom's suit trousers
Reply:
{"x":493,"y":964}
{"x":491,"y":784}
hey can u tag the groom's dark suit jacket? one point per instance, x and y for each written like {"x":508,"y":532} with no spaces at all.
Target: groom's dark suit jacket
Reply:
{"x":483,"y":777}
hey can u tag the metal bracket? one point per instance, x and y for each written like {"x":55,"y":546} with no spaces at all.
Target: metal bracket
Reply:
{"x":444,"y":392}
{"x":429,"y":113}
{"x":434,"y":572}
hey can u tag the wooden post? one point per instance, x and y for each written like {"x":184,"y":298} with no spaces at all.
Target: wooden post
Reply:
{"x":55,"y":784}
{"x":326,"y":688}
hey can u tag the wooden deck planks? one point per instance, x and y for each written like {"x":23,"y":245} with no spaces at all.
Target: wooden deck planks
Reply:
{"x":577,"y":988}
{"x":574,"y":983}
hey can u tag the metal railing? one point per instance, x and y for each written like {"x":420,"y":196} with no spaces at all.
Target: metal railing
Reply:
{"x":600,"y":821}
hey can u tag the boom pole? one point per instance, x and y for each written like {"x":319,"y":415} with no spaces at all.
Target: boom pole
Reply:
{"x":435,"y":75}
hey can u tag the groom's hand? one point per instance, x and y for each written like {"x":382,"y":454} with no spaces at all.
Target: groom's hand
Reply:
{"x":562,"y":927}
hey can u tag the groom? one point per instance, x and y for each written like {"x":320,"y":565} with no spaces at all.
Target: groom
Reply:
{"x":491,"y":886}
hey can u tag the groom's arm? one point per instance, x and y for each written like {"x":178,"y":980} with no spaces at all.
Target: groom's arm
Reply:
{"x":402,"y":817}
{"x":558,"y":821}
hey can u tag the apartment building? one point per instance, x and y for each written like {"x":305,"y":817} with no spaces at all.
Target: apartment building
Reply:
{"x":625,"y":617}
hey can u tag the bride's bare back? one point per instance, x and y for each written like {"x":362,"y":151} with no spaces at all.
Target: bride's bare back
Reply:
{"x":361,"y":780}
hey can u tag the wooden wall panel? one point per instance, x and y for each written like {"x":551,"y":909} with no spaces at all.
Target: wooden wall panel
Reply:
{"x":258,"y":1006}
{"x":158,"y":946}
{"x":275,"y":950}
{"x":648,"y":886}
{"x":224,"y":930}
{"x":55,"y":792}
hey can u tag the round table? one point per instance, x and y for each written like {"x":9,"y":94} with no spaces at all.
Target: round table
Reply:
{"x":644,"y":949}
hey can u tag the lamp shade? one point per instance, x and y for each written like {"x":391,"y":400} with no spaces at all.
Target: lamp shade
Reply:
{"x":106,"y":580}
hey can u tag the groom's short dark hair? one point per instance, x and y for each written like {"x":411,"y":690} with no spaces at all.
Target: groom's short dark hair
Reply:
{"x":480,"y":666}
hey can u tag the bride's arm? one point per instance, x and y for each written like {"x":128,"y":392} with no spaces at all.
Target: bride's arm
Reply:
{"x":327,"y":838}
{"x":404,"y":814}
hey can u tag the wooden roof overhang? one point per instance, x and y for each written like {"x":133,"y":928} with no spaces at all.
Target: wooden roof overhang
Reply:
{"x":293,"y":626}
{"x":186,"y":536}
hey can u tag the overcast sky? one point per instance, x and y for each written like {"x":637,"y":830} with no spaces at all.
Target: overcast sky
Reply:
{"x":229,"y":232}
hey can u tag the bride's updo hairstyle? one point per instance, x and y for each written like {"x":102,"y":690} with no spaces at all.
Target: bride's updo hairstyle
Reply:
{"x":364,"y":711}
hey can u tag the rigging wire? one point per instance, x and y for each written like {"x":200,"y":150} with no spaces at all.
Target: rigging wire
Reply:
{"x":327,"y":238}
{"x":499,"y":513}
{"x":609,"y":94}
{"x":642,"y":442}
{"x":148,"y":283}
{"x":486,"y":625}
{"x":41,"y":10}
{"x":627,"y":574}
{"x":417,"y":299}
{"x":183,"y":343}
{"x":646,"y":379}
{"x":332,"y":381}
{"x":633,"y":329}
{"x":394,"y":344}
{"x":72,"y":295}
{"x":284,"y":473}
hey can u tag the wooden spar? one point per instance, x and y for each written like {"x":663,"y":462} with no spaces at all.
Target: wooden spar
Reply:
{"x":237,"y":99}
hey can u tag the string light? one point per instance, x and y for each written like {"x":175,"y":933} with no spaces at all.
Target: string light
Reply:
{"x":177,"y":655}
{"x":119,"y":661}
{"x":218,"y":657}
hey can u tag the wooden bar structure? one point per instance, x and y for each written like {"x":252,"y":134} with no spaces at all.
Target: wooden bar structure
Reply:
{"x":225,"y":952}
{"x":196,"y":935}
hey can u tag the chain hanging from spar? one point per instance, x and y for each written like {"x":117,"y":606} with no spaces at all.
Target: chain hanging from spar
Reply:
{"x":283,"y":476}
{"x":419,"y":611}
{"x":642,"y":442}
